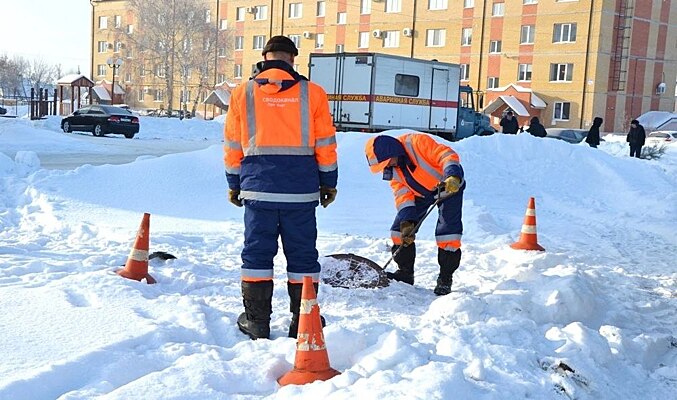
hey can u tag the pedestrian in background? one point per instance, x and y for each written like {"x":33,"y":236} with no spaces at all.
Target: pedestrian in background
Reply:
{"x":593,"y":134}
{"x":280,"y":156}
{"x":509,"y":124}
{"x":536,"y":128}
{"x":636,"y":138}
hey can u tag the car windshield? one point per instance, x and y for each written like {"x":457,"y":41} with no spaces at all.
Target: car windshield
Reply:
{"x":115,"y":110}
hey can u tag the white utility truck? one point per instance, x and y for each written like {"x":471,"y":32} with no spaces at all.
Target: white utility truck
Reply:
{"x":372,"y":92}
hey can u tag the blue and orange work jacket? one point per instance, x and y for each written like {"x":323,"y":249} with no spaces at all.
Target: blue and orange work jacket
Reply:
{"x":280,"y":143}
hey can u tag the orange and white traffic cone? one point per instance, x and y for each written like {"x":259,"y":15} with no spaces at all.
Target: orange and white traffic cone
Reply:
{"x":528,"y":238}
{"x":137,"y":263}
{"x":312,"y":361}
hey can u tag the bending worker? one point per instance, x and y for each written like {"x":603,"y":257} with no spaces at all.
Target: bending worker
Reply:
{"x":420,"y":169}
{"x":280,"y":156}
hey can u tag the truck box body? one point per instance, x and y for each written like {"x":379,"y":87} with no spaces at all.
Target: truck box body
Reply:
{"x":373,"y":91}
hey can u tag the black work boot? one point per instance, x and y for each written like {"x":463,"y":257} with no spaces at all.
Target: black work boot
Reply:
{"x":295,"y":290}
{"x":255,"y":320}
{"x":405,"y":264}
{"x":449,"y":262}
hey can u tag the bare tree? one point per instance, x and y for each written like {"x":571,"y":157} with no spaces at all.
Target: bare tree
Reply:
{"x":40,"y":73}
{"x":12,"y":73}
{"x":173,"y":40}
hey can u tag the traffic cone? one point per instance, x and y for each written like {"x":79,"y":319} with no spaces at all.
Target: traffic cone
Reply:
{"x":312,"y":361}
{"x":137,"y":263}
{"x":528,"y":238}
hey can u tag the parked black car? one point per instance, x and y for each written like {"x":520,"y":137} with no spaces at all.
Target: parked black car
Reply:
{"x":100,"y":120}
{"x":3,"y":111}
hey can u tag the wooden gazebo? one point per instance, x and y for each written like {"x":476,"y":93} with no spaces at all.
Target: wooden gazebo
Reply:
{"x":73,"y":81}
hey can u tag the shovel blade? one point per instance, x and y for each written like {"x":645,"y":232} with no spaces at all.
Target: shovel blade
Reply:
{"x":351,"y":271}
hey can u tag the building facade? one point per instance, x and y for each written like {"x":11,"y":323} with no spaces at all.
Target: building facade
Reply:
{"x":582,"y":58}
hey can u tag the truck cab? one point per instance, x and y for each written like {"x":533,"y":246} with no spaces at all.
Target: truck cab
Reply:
{"x":470,"y":121}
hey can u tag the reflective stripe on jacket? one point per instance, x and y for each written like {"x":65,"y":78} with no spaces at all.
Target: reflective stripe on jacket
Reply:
{"x":280,"y":143}
{"x":432,"y":163}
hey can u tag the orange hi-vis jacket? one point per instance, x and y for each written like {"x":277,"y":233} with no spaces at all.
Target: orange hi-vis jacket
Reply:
{"x":280,"y":143}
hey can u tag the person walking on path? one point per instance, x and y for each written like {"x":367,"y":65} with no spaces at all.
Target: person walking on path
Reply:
{"x":593,"y":134}
{"x":280,"y":157}
{"x":420,"y":169}
{"x":509,"y":124}
{"x":636,"y":138}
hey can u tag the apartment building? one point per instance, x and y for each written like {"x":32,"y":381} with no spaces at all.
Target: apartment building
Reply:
{"x":566,"y":61}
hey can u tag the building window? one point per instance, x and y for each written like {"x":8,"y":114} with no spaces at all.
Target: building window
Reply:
{"x":261,"y":13}
{"x":128,"y":77}
{"x":221,"y":78}
{"x":393,"y":6}
{"x":363,"y":40}
{"x":130,"y":53}
{"x":492,"y":82}
{"x":527,"y":34}
{"x":295,"y":10}
{"x":101,"y":70}
{"x":340,"y":48}
{"x":392,"y":39}
{"x":468,"y":3}
{"x":437,"y":4}
{"x":498,"y":10}
{"x":321,"y":7}
{"x":562,"y":111}
{"x":117,"y":46}
{"x":341,"y":18}
{"x":221,"y":52}
{"x":561,"y":72}
{"x":240,"y":13}
{"x":239,"y":42}
{"x":118,"y":21}
{"x":365,"y":6}
{"x":259,"y":42}
{"x":524,"y":72}
{"x":103,"y":22}
{"x":466,"y":37}
{"x":465,"y":72}
{"x":495,"y":46}
{"x":223,"y":24}
{"x":142,"y":71}
{"x":160,"y":71}
{"x":406,"y":85}
{"x":103,"y":47}
{"x":141,"y":92}
{"x":532,"y":1}
{"x":237,"y":73}
{"x":159,"y":96}
{"x":208,"y":16}
{"x":130,"y":29}
{"x":296,"y":39}
{"x":564,"y":33}
{"x":435,"y":37}
{"x":319,"y":40}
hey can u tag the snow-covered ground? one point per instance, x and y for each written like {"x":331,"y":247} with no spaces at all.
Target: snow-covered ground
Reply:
{"x":593,"y":317}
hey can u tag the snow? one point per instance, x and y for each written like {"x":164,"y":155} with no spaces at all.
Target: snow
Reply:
{"x":593,"y":317}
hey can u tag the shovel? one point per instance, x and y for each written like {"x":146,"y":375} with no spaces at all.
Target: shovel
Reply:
{"x":363,"y":272}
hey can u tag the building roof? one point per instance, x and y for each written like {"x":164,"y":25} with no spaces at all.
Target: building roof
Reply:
{"x":101,"y":93}
{"x":218,"y":97}
{"x":510,"y":101}
{"x":75,"y":80}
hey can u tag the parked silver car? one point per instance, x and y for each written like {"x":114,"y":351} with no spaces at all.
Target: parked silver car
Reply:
{"x":567,"y":134}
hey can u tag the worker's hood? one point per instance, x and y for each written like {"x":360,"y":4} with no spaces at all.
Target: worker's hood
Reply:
{"x":274,"y":76}
{"x":380,"y":150}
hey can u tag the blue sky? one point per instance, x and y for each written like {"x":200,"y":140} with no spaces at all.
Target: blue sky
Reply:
{"x":57,"y":31}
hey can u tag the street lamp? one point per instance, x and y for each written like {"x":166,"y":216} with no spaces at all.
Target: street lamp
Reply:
{"x":115,"y":64}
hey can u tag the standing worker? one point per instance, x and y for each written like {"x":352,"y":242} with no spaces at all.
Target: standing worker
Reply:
{"x":509,"y":124}
{"x":636,"y":138}
{"x":418,"y":169}
{"x":280,"y":156}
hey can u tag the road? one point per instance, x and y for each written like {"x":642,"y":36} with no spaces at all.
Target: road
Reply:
{"x":114,"y":150}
